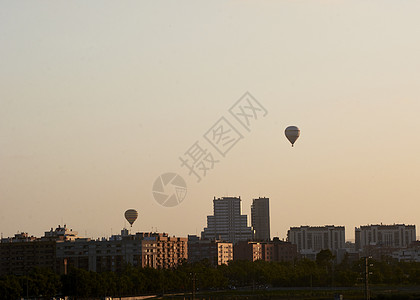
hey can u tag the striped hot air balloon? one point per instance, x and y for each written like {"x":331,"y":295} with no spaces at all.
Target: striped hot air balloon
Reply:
{"x":292,"y":133}
{"x":131,"y":216}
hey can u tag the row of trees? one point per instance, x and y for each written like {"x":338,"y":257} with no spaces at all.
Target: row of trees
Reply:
{"x":135,"y":281}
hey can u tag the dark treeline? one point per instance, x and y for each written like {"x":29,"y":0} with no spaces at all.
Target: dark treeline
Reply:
{"x":136,"y":281}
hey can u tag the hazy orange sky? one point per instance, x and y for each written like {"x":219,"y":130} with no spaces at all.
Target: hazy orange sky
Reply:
{"x":99,"y":98}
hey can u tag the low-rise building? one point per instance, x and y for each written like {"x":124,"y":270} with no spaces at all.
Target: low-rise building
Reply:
{"x":154,"y":250}
{"x":251,"y":251}
{"x":411,"y":254}
{"x":216,"y":252}
{"x":21,"y":253}
{"x":275,"y":250}
{"x":284,"y":251}
{"x":19,"y":257}
{"x":61,"y":249}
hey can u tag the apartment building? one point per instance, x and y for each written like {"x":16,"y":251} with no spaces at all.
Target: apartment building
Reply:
{"x":216,"y":252}
{"x":312,"y":239}
{"x":394,"y":236}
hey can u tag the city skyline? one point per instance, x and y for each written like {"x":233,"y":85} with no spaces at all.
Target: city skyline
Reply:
{"x":155,"y":227}
{"x":127,"y":228}
{"x":101,"y":101}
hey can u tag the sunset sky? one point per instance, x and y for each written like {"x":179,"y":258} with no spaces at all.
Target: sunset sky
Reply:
{"x":99,"y":98}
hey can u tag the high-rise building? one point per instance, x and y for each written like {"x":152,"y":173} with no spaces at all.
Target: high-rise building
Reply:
{"x":311,"y":239}
{"x":260,"y":219}
{"x":394,"y":236}
{"x":227,"y":223}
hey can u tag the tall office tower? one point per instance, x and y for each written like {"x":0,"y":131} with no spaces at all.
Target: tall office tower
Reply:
{"x":260,"y":219}
{"x":397,"y":235}
{"x":227,"y":223}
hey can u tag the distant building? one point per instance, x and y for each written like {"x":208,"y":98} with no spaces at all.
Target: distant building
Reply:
{"x":312,"y":239}
{"x":260,"y":219}
{"x":278,"y":251}
{"x":283,"y":251}
{"x":227,"y":223}
{"x":19,"y":237}
{"x":216,"y":252}
{"x":21,"y":253}
{"x":19,"y":256}
{"x":61,"y":248}
{"x":348,"y":253}
{"x":393,"y":236}
{"x":409,"y":254}
{"x":60,"y":234}
{"x":154,"y":250}
{"x":245,"y":250}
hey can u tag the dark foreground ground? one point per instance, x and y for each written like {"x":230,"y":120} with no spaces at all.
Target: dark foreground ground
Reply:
{"x":382,"y":292}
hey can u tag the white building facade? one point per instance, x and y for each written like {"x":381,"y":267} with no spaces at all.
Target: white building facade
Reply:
{"x":394,"y":236}
{"x":312,"y":239}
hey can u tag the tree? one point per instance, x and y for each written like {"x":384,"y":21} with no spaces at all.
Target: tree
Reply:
{"x":325,"y":258}
{"x":10,"y":287}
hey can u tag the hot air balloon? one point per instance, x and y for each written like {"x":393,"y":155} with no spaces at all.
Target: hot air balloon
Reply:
{"x":292,"y":133}
{"x":131,"y":216}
